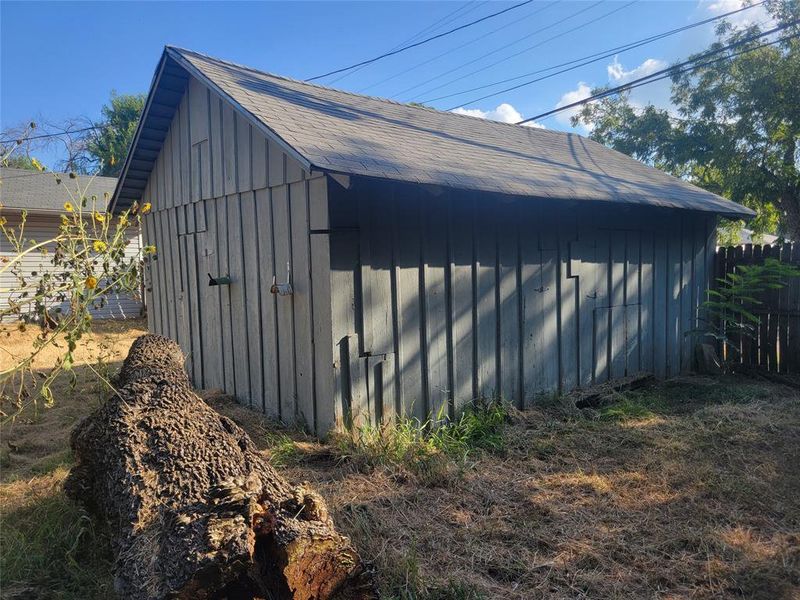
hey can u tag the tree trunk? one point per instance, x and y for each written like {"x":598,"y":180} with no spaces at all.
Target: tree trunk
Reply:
{"x":790,"y":206}
{"x":193,"y":509}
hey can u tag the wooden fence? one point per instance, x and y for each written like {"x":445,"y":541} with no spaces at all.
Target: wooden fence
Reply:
{"x":775,"y":345}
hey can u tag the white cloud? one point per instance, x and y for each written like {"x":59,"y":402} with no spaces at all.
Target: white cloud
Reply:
{"x":757,"y":14}
{"x":618,"y":74}
{"x":505,"y":113}
{"x":582,"y":92}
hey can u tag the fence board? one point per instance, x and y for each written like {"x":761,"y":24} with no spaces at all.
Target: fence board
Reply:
{"x":774,"y":344}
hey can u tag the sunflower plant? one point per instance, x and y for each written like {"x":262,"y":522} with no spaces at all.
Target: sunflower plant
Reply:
{"x":89,"y":266}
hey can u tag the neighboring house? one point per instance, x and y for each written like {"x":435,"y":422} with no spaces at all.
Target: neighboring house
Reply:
{"x":43,"y":199}
{"x":746,"y":237}
{"x":433,"y":257}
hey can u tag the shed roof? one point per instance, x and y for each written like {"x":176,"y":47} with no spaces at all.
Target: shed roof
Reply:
{"x":21,"y":189}
{"x":341,"y":132}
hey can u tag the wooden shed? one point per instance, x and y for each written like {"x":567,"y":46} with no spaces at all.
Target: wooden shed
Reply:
{"x":433,"y":258}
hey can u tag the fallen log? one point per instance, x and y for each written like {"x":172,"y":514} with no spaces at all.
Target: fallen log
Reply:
{"x":193,"y":509}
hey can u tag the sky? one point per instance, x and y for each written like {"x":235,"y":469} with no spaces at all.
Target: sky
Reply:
{"x":61,"y":60}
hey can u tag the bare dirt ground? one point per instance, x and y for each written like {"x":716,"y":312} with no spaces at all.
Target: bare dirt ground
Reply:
{"x":686,"y":489}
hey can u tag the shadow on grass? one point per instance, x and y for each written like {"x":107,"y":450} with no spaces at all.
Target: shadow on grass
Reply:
{"x":49,"y":547}
{"x":689,"y":488}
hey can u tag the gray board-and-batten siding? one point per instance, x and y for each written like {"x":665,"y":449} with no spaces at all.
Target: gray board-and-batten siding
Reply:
{"x":408,"y":296}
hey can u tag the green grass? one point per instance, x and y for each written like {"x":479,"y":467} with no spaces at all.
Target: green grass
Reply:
{"x":452,"y":591}
{"x":51,"y":462}
{"x":49,"y":547}
{"x":402,"y":580}
{"x":630,"y":407}
{"x":282,"y":449}
{"x":429,"y":449}
{"x":680,"y":396}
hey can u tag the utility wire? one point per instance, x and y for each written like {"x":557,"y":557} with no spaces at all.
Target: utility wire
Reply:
{"x":501,"y":48}
{"x":688,"y":69}
{"x":49,"y":135}
{"x":587,"y":60}
{"x":524,"y":50}
{"x":455,"y":49}
{"x":677,"y":69}
{"x":20,"y":176}
{"x":420,"y":43}
{"x":448,"y":18}
{"x":445,"y":20}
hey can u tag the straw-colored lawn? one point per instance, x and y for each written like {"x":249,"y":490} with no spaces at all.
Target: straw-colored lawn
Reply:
{"x":687,"y":489}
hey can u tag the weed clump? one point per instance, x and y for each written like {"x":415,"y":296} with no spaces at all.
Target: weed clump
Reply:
{"x":432,"y":449}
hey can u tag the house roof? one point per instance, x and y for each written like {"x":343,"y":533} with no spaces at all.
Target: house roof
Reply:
{"x":21,"y":189}
{"x":340,"y":132}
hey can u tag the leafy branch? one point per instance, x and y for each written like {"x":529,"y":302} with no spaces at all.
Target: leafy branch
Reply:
{"x":89,"y":264}
{"x":729,"y":313}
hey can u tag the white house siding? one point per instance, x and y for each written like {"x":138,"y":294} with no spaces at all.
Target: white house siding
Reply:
{"x":41,"y":227}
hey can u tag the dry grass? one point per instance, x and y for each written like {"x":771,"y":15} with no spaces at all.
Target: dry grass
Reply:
{"x":35,"y":441}
{"x":688,"y":489}
{"x":49,"y":548}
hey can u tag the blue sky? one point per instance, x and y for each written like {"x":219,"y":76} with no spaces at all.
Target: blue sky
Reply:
{"x":60,"y":60}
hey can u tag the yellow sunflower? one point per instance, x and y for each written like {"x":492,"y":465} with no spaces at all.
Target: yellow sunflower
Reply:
{"x":91,"y":282}
{"x":99,"y":246}
{"x":68,"y":207}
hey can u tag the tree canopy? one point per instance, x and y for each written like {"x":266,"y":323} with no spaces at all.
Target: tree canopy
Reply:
{"x":734,"y":128}
{"x":22,"y":161}
{"x":107,"y":147}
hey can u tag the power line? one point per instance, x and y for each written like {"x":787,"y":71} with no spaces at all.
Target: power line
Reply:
{"x":587,"y":60}
{"x":650,"y":79}
{"x":688,"y":69}
{"x":455,"y":49}
{"x":420,"y":43}
{"x":500,"y":49}
{"x":31,"y":174}
{"x":503,"y":47}
{"x":448,"y":18}
{"x":677,"y":69}
{"x":49,"y":135}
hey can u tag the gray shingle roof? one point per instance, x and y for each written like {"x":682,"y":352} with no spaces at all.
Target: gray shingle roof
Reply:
{"x":32,"y":191}
{"x":348,"y":133}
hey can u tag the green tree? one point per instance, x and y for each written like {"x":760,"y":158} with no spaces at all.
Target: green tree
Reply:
{"x":737,"y":128}
{"x":23,"y":161}
{"x":106,"y":147}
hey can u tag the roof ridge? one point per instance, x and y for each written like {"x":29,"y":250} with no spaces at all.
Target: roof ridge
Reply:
{"x":377,"y":98}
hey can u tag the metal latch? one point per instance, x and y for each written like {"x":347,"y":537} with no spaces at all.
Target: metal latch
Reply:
{"x":226,"y":280}
{"x":282,"y":289}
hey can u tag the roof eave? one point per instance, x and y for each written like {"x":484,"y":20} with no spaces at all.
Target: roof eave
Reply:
{"x":191,"y":71}
{"x":735,"y":212}
{"x":139,"y":128}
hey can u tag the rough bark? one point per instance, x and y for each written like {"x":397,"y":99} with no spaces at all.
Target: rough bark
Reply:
{"x":193,"y":509}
